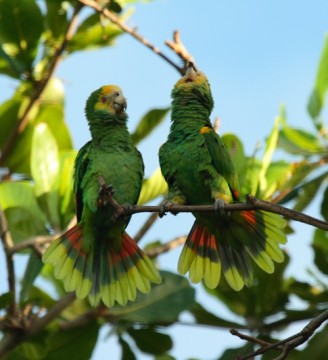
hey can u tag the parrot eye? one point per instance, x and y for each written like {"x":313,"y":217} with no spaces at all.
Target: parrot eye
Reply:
{"x":117,"y":94}
{"x":103,"y":99}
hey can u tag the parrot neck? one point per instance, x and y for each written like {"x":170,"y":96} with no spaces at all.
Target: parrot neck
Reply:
{"x":188,"y":116}
{"x":110,"y":132}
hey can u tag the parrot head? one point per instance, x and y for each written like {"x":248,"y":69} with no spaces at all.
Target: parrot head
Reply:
{"x":194,"y":85}
{"x":107,"y":100}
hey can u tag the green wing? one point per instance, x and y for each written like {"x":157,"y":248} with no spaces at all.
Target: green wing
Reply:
{"x":81,"y":165}
{"x":221,"y":159}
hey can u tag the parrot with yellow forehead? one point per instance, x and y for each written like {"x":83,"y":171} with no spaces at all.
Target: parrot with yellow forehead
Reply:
{"x":198,"y":169}
{"x":96,"y":258}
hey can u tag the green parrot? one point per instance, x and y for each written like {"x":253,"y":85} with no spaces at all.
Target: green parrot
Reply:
{"x":97,"y":258}
{"x":198,"y":169}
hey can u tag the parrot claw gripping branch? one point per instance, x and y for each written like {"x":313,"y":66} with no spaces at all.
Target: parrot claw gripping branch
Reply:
{"x":198,"y":169}
{"x":97,"y":258}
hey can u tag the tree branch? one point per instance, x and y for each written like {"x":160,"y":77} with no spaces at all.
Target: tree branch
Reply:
{"x":114,"y":19}
{"x":7,"y":243}
{"x":252,"y":204}
{"x":38,"y":90}
{"x":289,"y":343}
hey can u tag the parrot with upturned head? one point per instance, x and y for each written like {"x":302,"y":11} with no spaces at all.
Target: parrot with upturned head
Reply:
{"x":96,"y":257}
{"x":198,"y":169}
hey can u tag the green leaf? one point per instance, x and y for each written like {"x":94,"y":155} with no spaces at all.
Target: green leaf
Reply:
{"x":317,"y":97}
{"x":153,"y":187}
{"x":300,"y":142}
{"x":5,"y":300}
{"x":44,"y":159}
{"x":204,"y":317}
{"x":320,"y":248}
{"x":32,"y":270}
{"x":21,"y":26}
{"x":151,"y":341}
{"x":75,"y":343}
{"x":56,"y":17}
{"x":38,"y":297}
{"x":309,"y":293}
{"x":163,"y":304}
{"x":24,"y":216}
{"x":229,"y":354}
{"x":270,"y":147}
{"x":266,"y":297}
{"x":148,"y":123}
{"x":92,"y":34}
{"x":308,"y":191}
{"x":324,"y":205}
{"x":127,"y":353}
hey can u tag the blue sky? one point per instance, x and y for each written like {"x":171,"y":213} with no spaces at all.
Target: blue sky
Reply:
{"x":257,"y":56}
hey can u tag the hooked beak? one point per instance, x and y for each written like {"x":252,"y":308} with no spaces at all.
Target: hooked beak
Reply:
{"x":191,"y":71}
{"x":120,"y":104}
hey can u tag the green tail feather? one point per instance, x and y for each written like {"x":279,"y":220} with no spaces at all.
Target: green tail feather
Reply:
{"x":247,"y":235}
{"x":103,"y":274}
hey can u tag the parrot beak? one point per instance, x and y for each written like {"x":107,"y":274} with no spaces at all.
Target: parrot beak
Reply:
{"x":120,"y":104}
{"x":191,"y":71}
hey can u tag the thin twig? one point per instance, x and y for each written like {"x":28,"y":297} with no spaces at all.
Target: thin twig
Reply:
{"x":291,"y":342}
{"x":7,"y":245}
{"x":249,"y":338}
{"x":114,"y":19}
{"x":161,"y":249}
{"x":178,"y":47}
{"x":145,"y":227}
{"x":32,"y":243}
{"x":23,"y":121}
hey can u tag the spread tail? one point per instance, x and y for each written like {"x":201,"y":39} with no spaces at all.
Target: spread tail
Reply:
{"x":247,"y":235}
{"x":103,"y":273}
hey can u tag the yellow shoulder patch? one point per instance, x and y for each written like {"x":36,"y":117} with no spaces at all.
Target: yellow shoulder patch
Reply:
{"x":205,"y":129}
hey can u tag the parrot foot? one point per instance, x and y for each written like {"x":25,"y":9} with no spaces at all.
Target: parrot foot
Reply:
{"x":219,"y":205}
{"x":165,"y":207}
{"x":106,"y":193}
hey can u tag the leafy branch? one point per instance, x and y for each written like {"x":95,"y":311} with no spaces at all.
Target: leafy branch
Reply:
{"x":41,"y":85}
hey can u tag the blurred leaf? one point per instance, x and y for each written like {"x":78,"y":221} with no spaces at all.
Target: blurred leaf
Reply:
{"x":204,"y":317}
{"x":165,"y":357}
{"x":270,"y":147}
{"x":65,"y":187}
{"x":153,"y":187}
{"x":300,"y":142}
{"x":38,"y":297}
{"x":21,"y":26}
{"x":266,"y":297}
{"x":317,"y":97}
{"x":298,"y":171}
{"x":324,"y":205}
{"x":163,"y":304}
{"x":34,"y":348}
{"x":76,"y":343}
{"x":91,"y":34}
{"x":307,"y":192}
{"x":32,"y":270}
{"x":44,"y":159}
{"x":307,"y":292}
{"x":148,"y":123}
{"x":56,"y":17}
{"x":24,"y":216}
{"x":276,"y":177}
{"x":320,"y":248}
{"x":127,"y":353}
{"x":151,"y":341}
{"x":5,"y":300}
{"x":229,"y":354}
